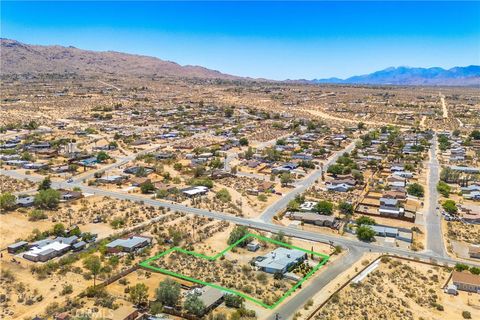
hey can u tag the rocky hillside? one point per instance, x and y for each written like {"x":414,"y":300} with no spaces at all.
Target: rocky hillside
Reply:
{"x":20,"y":58}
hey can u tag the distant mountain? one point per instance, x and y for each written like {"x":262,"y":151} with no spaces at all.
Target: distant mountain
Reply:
{"x":20,"y":58}
{"x":457,"y":76}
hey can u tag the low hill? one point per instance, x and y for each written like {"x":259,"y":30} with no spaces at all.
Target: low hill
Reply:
{"x":20,"y":58}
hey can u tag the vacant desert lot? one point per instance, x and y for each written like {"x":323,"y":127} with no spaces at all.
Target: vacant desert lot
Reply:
{"x":399,"y":289}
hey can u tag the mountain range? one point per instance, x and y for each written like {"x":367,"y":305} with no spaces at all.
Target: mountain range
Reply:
{"x":457,"y":76}
{"x":21,"y":58}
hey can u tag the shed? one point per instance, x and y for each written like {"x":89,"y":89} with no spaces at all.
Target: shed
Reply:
{"x":253,"y":246}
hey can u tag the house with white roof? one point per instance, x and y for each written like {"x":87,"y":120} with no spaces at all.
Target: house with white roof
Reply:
{"x":279,"y":260}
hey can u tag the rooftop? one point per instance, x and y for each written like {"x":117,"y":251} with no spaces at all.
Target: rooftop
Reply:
{"x":466,"y":277}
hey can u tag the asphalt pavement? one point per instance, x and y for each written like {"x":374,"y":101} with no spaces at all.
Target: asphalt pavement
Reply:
{"x":433,"y":219}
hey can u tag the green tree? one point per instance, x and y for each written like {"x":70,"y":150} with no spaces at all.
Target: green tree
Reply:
{"x":280,"y":236}
{"x":444,"y":189}
{"x":335,"y":169}
{"x":93,"y":264}
{"x":364,"y":220}
{"x":27,"y":156}
{"x":168,"y":292}
{"x":147,"y":187}
{"x":102,"y":156}
{"x":475,"y":134}
{"x":293,"y":205}
{"x":475,"y":270}
{"x":361,"y":126}
{"x":7,"y":201}
{"x":286,"y":178}
{"x":365,"y":233}
{"x":223,"y":195}
{"x":141,"y":172}
{"x":249,"y":153}
{"x":32,"y":125}
{"x":58,"y":230}
{"x":324,"y":207}
{"x":461,"y":267}
{"x":36,"y":215}
{"x":47,"y":199}
{"x":237,"y":233}
{"x":450,"y":206}
{"x":139,"y":294}
{"x":194,"y":305}
{"x":243,"y":141}
{"x":156,"y":307}
{"x":45,"y":184}
{"x":345,"y":208}
{"x":233,"y":301}
{"x":416,"y":190}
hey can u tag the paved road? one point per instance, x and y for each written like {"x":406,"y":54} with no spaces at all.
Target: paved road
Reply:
{"x":258,"y":224}
{"x":332,"y":270}
{"x":435,"y":249}
{"x":301,"y":186}
{"x":433,"y":219}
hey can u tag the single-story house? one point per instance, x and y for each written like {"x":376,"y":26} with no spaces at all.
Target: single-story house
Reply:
{"x":474,"y":195}
{"x":46,"y":252}
{"x":35,"y":166}
{"x":136,"y":169}
{"x":88,"y":162}
{"x":474,"y":252}
{"x":385,"y":231}
{"x":211,"y":298}
{"x":465,"y":169}
{"x":112,"y":179}
{"x":403,"y":174}
{"x":194,"y":191}
{"x":397,"y":168}
{"x":279,"y":260}
{"x":342,"y":187}
{"x":313,"y":218}
{"x":466,"y":281}
{"x":130,"y":244}
{"x":67,"y":195}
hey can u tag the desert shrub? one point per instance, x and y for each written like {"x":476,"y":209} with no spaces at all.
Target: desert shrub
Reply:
{"x":36,"y":215}
{"x":67,"y":289}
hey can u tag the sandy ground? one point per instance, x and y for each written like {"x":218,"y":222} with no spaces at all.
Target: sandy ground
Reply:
{"x":15,"y":225}
{"x":48,"y":288}
{"x":386,"y":293}
{"x":329,"y":289}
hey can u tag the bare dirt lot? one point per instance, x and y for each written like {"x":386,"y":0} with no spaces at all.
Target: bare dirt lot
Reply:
{"x":399,"y":289}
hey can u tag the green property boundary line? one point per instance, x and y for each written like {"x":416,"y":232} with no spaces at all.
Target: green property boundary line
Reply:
{"x":146,"y":264}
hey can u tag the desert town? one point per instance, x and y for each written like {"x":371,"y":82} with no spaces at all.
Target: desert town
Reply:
{"x":172,"y":198}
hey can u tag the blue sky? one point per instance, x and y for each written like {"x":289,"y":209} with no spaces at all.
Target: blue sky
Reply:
{"x":261,"y":39}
